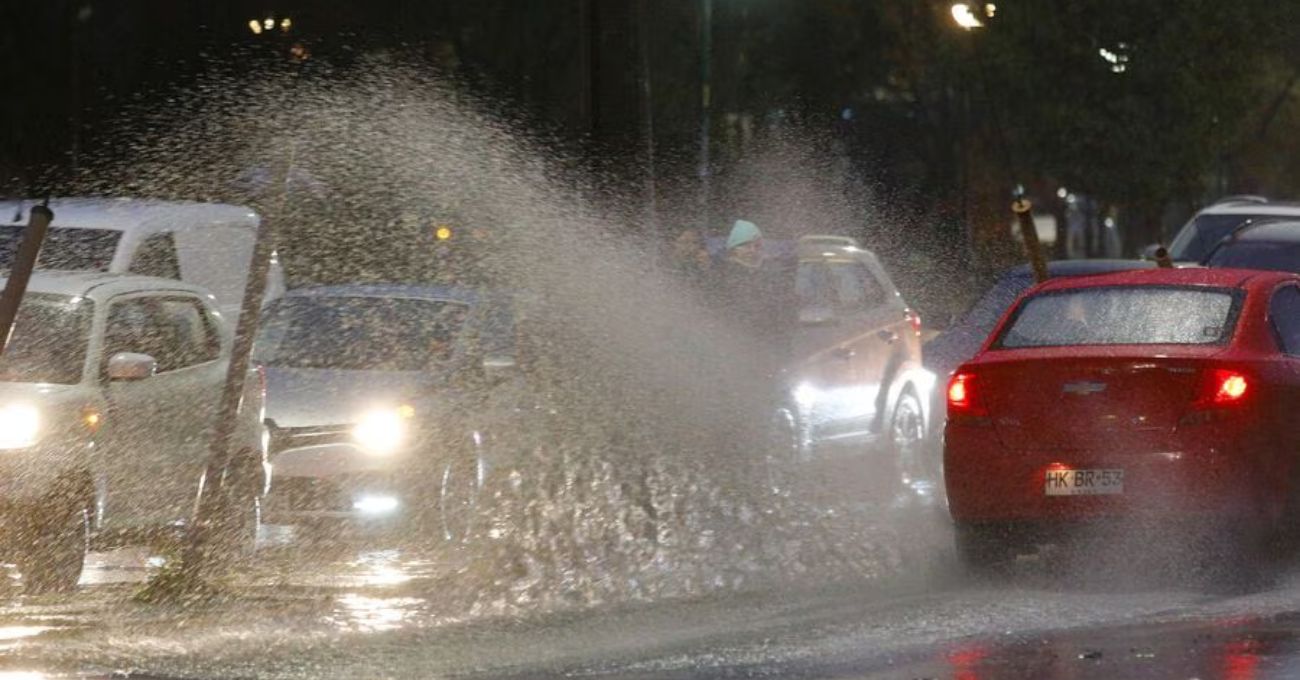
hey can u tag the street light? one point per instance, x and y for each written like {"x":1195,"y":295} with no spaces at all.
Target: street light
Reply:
{"x":965,"y":16}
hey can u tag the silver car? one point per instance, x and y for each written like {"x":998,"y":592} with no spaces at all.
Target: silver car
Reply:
{"x":356,"y":377}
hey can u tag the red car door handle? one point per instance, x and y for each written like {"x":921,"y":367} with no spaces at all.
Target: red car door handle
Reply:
{"x":842,"y":353}
{"x":888,"y":336}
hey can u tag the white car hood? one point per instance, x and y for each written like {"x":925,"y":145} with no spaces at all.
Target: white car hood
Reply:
{"x":44,"y":394}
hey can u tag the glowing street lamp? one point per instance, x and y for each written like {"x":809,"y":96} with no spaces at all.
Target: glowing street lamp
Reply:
{"x":260,"y":26}
{"x":965,"y":16}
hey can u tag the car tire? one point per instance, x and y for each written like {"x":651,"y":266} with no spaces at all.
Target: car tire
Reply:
{"x":57,"y":542}
{"x":907,"y":441}
{"x":786,"y":447}
{"x":458,"y":496}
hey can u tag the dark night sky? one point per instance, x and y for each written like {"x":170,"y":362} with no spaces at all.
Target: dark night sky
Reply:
{"x":70,"y":64}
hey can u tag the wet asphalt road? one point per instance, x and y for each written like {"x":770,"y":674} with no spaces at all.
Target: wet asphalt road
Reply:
{"x":376,"y":613}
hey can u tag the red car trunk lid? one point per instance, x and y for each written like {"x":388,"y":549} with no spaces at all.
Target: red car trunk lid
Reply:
{"x":1088,"y":402}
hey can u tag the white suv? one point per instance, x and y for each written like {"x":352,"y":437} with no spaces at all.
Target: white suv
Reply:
{"x":108,"y":391}
{"x":1209,"y":226}
{"x":206,"y":244}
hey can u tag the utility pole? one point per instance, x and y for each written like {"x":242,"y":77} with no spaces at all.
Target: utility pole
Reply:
{"x":647,"y":118}
{"x":38,"y":223}
{"x":703,"y":170}
{"x":586,"y":66}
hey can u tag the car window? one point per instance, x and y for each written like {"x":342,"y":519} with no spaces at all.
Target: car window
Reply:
{"x":1123,"y":315}
{"x":857,"y":290}
{"x":48,"y":341}
{"x":174,"y":331}
{"x":65,"y":248}
{"x":196,"y":339}
{"x":1284,"y":314}
{"x":156,"y":256}
{"x":1270,"y":255}
{"x":843,"y":287}
{"x":1197,"y":238}
{"x":813,"y":285}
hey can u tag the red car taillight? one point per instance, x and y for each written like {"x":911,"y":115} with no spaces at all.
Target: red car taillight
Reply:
{"x":1222,"y":387}
{"x":1221,"y":391}
{"x":964,"y":397}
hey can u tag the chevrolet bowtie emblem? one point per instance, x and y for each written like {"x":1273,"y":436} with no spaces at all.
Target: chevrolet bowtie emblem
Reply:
{"x":1083,"y":387}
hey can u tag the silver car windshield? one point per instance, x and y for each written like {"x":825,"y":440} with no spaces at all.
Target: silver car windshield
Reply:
{"x":360,"y":333}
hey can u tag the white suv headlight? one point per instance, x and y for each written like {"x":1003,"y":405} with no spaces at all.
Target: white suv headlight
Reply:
{"x":383,"y":431}
{"x":19,"y":425}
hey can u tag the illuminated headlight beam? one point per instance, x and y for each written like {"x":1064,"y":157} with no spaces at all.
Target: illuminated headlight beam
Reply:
{"x":19,"y":426}
{"x":375,"y":504}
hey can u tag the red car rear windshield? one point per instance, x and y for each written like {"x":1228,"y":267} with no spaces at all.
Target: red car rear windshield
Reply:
{"x":1124,"y":315}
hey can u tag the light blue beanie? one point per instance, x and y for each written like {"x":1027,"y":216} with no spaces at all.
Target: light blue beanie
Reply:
{"x":743,"y":232}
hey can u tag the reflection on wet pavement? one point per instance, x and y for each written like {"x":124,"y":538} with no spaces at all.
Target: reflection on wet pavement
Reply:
{"x":375,"y":614}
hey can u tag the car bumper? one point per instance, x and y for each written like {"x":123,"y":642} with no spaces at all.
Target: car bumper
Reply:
{"x":29,"y":475}
{"x":341,"y":482}
{"x":1202,"y":473}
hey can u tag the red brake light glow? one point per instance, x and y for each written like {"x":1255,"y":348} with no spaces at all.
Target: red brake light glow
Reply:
{"x":1230,"y":386}
{"x":960,"y":391}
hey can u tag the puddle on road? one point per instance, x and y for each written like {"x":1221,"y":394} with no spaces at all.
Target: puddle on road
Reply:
{"x":364,"y":614}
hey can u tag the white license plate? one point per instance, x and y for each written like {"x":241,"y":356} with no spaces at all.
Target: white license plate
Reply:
{"x":1084,"y":482}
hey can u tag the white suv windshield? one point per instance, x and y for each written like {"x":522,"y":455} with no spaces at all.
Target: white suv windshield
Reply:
{"x":48,"y":343}
{"x":64,"y":248}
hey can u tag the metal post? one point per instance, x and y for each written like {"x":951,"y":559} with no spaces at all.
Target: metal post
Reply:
{"x":211,"y":506}
{"x":704,"y":170}
{"x":38,"y":223}
{"x":1163,"y":260}
{"x":648,"y":118}
{"x":586,"y":67}
{"x":1029,"y":232}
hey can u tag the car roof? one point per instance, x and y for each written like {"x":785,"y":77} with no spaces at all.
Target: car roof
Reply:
{"x":1223,"y":278}
{"x":1253,"y":207}
{"x":388,"y":290}
{"x":1083,"y":267}
{"x":101,"y":285}
{"x":127,"y":214}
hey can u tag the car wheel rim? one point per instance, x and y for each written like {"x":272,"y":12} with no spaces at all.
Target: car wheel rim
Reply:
{"x":784,"y":450}
{"x":907,"y":431}
{"x":455,"y":499}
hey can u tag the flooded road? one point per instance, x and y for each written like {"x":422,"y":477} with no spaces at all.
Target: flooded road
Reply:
{"x":390,"y":613}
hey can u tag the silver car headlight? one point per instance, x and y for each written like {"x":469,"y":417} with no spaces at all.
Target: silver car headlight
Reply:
{"x":382,"y":431}
{"x":19,"y":426}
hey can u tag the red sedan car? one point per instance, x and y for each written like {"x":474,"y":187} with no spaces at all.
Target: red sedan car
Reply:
{"x":1156,"y":394}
